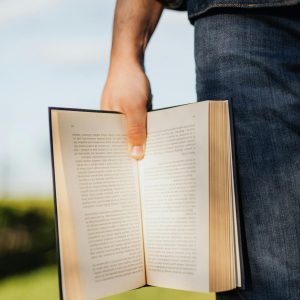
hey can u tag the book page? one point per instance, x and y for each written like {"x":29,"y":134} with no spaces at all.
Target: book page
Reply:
{"x":103,"y":194}
{"x":175,"y":198}
{"x":68,"y":256}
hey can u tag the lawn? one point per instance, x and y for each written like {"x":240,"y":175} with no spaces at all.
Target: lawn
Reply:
{"x":39,"y":284}
{"x":42,"y":284}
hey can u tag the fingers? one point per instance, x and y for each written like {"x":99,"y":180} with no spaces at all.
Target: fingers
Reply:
{"x":136,"y":132}
{"x":136,"y":127}
{"x":106,"y":105}
{"x":129,"y":94}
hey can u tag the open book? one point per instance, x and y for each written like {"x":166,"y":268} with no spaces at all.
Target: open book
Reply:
{"x":169,"y":220}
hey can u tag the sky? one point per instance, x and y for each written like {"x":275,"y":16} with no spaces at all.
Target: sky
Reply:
{"x":56,"y":53}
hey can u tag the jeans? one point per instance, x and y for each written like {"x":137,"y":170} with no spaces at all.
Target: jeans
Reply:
{"x":253,"y":58}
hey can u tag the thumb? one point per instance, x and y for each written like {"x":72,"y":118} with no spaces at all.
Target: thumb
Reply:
{"x":136,"y":132}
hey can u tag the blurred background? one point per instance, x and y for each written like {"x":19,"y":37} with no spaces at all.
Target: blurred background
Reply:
{"x":56,"y":53}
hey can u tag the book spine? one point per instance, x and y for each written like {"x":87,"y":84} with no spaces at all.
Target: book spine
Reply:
{"x":55,"y":208}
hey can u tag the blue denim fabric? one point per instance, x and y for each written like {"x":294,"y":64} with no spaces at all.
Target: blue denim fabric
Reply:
{"x":196,"y":8}
{"x":253,"y":58}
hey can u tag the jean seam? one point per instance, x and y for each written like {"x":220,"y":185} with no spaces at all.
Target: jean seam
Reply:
{"x":249,"y":5}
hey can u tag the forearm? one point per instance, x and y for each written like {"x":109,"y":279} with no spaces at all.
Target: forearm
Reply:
{"x":134,"y":23}
{"x":127,"y":88}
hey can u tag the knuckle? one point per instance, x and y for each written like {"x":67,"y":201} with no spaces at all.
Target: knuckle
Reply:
{"x":136,"y":132}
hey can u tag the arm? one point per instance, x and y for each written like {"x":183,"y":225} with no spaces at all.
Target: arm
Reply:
{"x":127,"y":88}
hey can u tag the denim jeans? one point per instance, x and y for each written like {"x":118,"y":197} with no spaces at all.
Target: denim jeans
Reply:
{"x":253,"y":58}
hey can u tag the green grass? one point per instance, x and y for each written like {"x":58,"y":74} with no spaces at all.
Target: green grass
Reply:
{"x":38,"y":284}
{"x":154,"y":293}
{"x":43,"y":284}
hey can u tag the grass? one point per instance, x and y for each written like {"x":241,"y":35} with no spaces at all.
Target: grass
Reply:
{"x":38,"y":284}
{"x":154,"y":293}
{"x":43,"y":284}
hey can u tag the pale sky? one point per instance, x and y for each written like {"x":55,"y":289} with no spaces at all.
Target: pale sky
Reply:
{"x":56,"y":53}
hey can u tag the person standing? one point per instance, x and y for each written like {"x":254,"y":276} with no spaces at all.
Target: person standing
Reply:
{"x":247,"y":51}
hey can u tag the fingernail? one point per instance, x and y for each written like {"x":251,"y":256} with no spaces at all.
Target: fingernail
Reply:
{"x":137,"y":152}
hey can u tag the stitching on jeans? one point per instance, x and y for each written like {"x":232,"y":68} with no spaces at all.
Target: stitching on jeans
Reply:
{"x":260,"y":5}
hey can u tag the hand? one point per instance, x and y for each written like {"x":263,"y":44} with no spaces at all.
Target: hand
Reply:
{"x":127,"y":90}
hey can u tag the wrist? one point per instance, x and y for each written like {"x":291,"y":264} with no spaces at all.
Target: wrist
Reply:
{"x":124,"y":61}
{"x":132,"y":53}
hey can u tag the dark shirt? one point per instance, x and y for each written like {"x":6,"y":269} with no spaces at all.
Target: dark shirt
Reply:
{"x":196,"y":8}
